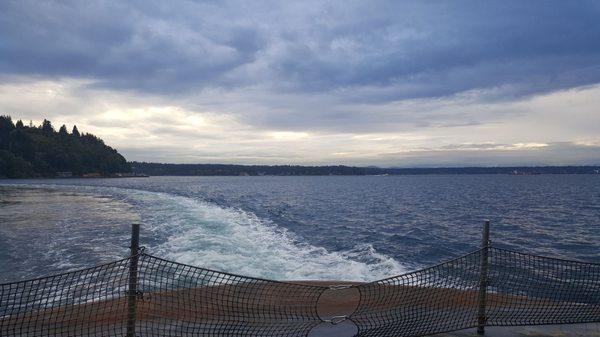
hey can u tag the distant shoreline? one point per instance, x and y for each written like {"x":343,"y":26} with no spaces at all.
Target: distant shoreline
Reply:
{"x":144,"y":170}
{"x":161,"y":169}
{"x":85,"y":176}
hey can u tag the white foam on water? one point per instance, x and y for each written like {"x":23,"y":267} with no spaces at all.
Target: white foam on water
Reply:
{"x":204,"y":234}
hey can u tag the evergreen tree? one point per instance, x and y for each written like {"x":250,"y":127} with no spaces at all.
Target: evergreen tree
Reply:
{"x":6,"y":127}
{"x":63,"y":130}
{"x":6,"y":122}
{"x":41,"y":152}
{"x":12,"y":166}
{"x":19,"y":124}
{"x":21,"y":144}
{"x":47,"y":126}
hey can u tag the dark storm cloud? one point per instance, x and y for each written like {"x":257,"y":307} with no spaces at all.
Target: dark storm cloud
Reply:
{"x":398,"y":50}
{"x":120,"y":46}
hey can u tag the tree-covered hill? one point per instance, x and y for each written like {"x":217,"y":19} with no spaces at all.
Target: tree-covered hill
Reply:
{"x":40,"y":151}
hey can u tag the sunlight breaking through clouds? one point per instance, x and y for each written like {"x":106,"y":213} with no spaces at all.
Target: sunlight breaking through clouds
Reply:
{"x":156,"y":129}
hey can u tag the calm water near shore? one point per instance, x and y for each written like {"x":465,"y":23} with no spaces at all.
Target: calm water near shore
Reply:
{"x":348,"y":227}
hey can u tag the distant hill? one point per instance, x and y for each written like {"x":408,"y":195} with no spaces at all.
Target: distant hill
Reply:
{"x":158,"y":169}
{"x":40,"y":151}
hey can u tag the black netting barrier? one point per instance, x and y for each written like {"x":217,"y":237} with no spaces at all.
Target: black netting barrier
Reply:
{"x":181,"y":300}
{"x":522,"y":289}
{"x":148,"y":296}
{"x":437,"y":299}
{"x":89,"y":302}
{"x":531,"y":290}
{"x":172,"y":299}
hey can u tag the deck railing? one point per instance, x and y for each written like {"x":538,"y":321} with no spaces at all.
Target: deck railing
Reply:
{"x":144,"y":295}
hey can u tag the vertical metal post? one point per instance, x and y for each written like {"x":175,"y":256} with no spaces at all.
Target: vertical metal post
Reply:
{"x":133,"y":270}
{"x":483,"y":278}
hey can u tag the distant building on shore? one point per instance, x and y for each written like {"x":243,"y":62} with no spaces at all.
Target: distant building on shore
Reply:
{"x":92,"y":175}
{"x":130,"y":175}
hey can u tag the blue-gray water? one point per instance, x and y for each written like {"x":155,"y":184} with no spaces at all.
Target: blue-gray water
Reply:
{"x":354,"y":228}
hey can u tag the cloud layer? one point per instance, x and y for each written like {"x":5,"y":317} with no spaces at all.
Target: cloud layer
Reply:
{"x":311,"y":82}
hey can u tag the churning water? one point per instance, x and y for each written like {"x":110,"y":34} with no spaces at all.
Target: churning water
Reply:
{"x":350,"y":227}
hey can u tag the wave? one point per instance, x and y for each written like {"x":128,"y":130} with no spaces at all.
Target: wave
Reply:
{"x":196,"y":232}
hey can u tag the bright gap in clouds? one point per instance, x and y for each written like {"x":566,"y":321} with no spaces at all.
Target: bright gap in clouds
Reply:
{"x":556,"y":128}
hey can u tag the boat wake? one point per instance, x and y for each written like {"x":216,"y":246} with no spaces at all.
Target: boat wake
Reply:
{"x":200,"y":233}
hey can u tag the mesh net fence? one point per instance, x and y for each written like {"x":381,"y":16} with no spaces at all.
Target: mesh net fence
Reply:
{"x":174,"y":299}
{"x":522,"y":289}
{"x":531,"y":290}
{"x":181,"y":300}
{"x":436,"y":299}
{"x":171,"y":299}
{"x":89,"y":302}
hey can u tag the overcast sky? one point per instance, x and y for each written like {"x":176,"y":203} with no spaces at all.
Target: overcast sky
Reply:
{"x":411,"y":83}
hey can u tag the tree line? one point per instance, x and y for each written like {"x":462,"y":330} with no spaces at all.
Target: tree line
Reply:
{"x":28,"y":151}
{"x":160,"y":169}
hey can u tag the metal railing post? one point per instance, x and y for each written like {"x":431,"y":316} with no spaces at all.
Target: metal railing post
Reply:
{"x":133,"y":271}
{"x":483,"y":278}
